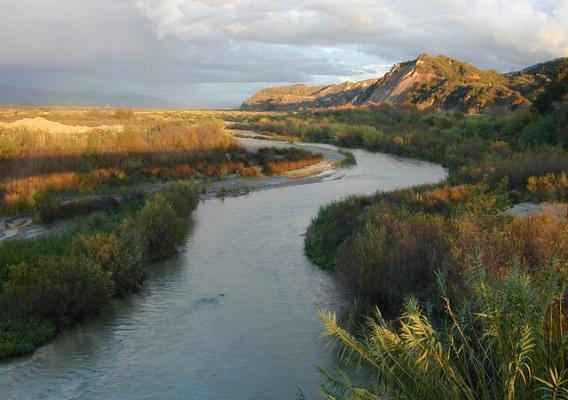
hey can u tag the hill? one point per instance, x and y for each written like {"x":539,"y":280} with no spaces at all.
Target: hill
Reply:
{"x":438,"y":82}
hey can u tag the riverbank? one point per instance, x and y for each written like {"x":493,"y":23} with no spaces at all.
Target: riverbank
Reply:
{"x":52,"y":283}
{"x":230,"y":186}
{"x":20,"y":337}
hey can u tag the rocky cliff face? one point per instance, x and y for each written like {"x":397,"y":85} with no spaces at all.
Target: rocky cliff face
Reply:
{"x":438,"y":82}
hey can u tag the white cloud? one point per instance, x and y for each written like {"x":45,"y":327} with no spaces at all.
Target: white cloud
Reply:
{"x":503,"y":32}
{"x":179,"y":48}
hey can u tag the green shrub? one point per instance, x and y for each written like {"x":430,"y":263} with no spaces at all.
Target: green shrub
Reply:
{"x":124,"y":262}
{"x":30,"y":251}
{"x":333,"y":224}
{"x":392,"y":257}
{"x":65,"y":289}
{"x":19,"y":337}
{"x":371,"y":136}
{"x":157,"y":226}
{"x":349,"y":158}
{"x":183,"y":197}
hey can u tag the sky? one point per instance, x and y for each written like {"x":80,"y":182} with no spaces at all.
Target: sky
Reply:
{"x":215,"y":53}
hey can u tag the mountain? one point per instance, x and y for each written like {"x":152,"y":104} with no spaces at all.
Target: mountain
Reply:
{"x":438,"y":82}
{"x":300,"y":96}
{"x":17,"y":96}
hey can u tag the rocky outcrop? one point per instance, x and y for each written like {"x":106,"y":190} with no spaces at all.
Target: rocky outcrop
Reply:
{"x":437,"y":82}
{"x":300,"y":97}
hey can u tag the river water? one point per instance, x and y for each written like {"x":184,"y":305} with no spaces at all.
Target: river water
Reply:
{"x":233,"y":315}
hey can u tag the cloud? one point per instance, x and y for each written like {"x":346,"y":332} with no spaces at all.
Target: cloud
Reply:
{"x":189,"y":50}
{"x":497,"y":33}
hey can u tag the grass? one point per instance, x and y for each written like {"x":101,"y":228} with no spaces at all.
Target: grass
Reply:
{"x":506,"y":342}
{"x":349,"y":158}
{"x":121,"y":148}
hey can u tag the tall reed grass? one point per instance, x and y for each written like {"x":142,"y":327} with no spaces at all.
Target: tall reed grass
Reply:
{"x":508,"y":341}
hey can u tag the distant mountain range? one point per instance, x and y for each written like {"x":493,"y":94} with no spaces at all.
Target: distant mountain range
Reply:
{"x":437,"y":82}
{"x":17,"y":96}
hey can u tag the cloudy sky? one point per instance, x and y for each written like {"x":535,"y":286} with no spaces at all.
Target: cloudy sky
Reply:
{"x":214,"y":53}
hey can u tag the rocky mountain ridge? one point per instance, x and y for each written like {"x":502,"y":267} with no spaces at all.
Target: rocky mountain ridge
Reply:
{"x":437,"y":82}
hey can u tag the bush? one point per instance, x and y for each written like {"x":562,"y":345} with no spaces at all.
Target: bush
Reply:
{"x":19,"y":337}
{"x":54,"y":212}
{"x":333,"y":224}
{"x":394,"y":256}
{"x":548,"y":187}
{"x":30,"y":251}
{"x":183,"y":196}
{"x":124,"y":262}
{"x":158,"y":227}
{"x":65,"y":289}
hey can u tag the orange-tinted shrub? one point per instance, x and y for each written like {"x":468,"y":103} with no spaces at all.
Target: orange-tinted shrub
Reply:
{"x":548,"y":187}
{"x":277,"y":168}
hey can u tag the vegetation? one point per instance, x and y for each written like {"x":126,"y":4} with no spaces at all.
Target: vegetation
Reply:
{"x":349,"y":157}
{"x":51,"y":283}
{"x":279,"y":161}
{"x":506,"y":342}
{"x":554,"y":91}
{"x":18,"y":337}
{"x":470,"y":146}
{"x":471,"y":297}
{"x":42,"y":159}
{"x":127,"y":178}
{"x":389,"y":246}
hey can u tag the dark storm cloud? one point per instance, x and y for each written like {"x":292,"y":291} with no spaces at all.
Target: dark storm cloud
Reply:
{"x":214,"y":52}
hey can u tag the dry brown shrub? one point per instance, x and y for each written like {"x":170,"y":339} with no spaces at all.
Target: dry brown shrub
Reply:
{"x":277,"y":168}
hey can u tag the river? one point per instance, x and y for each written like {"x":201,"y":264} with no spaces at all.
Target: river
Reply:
{"x":233,"y":315}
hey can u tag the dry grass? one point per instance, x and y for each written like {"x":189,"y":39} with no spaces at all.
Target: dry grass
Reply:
{"x":52,"y":150}
{"x":56,"y":150}
{"x":166,"y":137}
{"x":278,"y":168}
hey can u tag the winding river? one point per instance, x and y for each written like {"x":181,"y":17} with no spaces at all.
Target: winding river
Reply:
{"x":234,"y":315}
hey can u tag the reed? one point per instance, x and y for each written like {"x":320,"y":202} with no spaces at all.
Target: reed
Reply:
{"x":507,"y":342}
